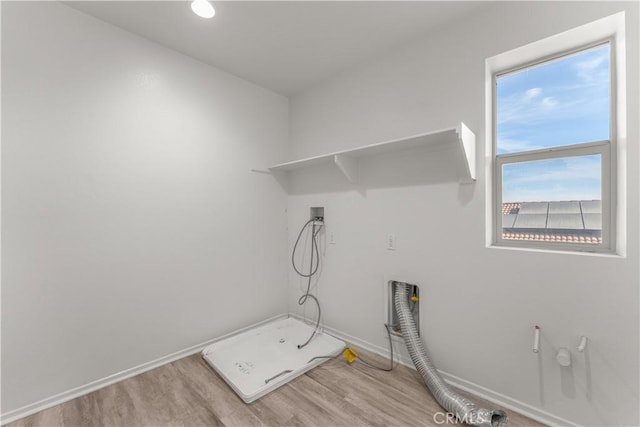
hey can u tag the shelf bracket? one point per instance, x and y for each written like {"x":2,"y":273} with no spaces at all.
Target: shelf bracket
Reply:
{"x":348,"y":166}
{"x":467,"y":141}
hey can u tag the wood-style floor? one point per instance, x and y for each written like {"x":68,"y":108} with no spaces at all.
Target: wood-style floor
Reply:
{"x":188,"y":393}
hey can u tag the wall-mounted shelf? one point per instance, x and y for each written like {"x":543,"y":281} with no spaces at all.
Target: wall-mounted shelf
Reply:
{"x":347,"y":160}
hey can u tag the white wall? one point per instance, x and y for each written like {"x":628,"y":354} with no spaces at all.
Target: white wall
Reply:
{"x":479,"y":305}
{"x":132,"y":226}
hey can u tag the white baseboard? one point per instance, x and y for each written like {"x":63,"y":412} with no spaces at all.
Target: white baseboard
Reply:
{"x":475,"y":389}
{"x":515,"y":405}
{"x":65,"y":396}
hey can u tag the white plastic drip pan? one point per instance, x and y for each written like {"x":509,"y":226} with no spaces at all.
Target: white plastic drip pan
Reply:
{"x":260,"y":360}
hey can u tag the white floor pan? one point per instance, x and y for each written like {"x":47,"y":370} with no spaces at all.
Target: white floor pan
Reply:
{"x":260,"y":360}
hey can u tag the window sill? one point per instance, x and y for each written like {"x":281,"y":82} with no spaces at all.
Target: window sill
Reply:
{"x":603,"y":253}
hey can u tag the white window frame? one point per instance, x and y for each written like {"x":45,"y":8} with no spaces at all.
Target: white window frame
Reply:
{"x":612,"y":151}
{"x":603,"y":148}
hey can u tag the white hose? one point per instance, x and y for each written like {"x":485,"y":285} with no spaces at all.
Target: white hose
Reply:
{"x":465,"y":410}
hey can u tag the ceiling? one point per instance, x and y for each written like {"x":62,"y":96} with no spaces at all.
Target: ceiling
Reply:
{"x":284,"y":46}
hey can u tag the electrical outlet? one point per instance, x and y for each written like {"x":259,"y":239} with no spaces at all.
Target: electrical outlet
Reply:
{"x":332,"y":238}
{"x":391,"y":242}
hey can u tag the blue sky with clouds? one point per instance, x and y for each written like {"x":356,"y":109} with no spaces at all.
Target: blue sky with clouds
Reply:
{"x":562,"y":102}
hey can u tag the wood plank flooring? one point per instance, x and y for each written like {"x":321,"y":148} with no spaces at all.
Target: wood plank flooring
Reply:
{"x":188,"y":393}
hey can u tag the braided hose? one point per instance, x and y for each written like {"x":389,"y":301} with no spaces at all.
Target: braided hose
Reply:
{"x":465,"y":410}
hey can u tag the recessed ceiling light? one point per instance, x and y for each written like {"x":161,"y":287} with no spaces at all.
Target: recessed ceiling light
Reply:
{"x":203,"y":8}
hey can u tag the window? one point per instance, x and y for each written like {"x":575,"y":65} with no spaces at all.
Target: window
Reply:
{"x":553,"y":162}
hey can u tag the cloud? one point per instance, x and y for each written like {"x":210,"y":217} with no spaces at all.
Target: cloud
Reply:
{"x":509,"y":145}
{"x":519,"y":108}
{"x":556,"y":194}
{"x":572,"y":178}
{"x":595,"y":69}
{"x":562,"y":169}
{"x":590,"y":64}
{"x":567,"y":103}
{"x":532,"y":93}
{"x":578,"y":89}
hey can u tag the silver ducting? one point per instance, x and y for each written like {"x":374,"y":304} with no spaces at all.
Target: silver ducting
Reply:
{"x":465,"y":410}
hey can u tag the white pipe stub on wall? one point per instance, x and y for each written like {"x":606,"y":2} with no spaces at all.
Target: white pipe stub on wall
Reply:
{"x":564,"y":357}
{"x":583,"y":344}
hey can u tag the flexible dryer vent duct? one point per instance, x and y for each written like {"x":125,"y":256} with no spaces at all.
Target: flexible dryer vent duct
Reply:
{"x":465,"y":410}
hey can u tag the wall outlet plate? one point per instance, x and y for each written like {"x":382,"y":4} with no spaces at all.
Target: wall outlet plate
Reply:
{"x":391,"y":242}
